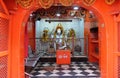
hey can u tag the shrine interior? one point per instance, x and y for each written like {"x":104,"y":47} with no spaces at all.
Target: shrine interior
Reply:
{"x":70,"y":28}
{"x":75,"y":23}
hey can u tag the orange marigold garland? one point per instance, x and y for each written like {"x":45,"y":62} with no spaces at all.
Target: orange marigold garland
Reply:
{"x":88,"y":2}
{"x":109,"y":1}
{"x":66,"y":2}
{"x":46,"y":3}
{"x":25,"y":3}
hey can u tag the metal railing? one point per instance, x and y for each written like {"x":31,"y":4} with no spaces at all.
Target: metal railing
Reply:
{"x":78,"y":46}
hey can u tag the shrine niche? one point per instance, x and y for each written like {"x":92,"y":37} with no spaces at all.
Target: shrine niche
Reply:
{"x":59,"y":36}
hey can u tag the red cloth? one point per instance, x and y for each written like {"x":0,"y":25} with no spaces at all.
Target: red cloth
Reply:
{"x":63,"y":57}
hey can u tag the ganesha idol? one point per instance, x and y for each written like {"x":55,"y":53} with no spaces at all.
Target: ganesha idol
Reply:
{"x":60,"y":42}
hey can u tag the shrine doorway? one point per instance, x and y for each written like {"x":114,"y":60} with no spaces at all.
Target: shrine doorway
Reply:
{"x":18,"y":36}
{"x":79,"y":26}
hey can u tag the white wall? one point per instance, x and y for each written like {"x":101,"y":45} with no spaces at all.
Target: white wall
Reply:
{"x":76,"y":24}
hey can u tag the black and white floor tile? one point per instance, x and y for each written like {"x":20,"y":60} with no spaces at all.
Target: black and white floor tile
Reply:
{"x":74,"y":70}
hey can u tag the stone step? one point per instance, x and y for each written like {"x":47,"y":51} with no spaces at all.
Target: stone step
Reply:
{"x":73,"y":59}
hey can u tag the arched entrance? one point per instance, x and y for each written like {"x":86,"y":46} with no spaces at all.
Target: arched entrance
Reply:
{"x":18,"y":32}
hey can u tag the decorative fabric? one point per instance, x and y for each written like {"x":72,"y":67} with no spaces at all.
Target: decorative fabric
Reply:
{"x":109,"y":1}
{"x":46,"y":3}
{"x":88,"y":2}
{"x":66,"y":2}
{"x":25,"y":3}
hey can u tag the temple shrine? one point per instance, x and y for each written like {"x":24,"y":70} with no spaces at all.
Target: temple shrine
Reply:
{"x":59,"y":38}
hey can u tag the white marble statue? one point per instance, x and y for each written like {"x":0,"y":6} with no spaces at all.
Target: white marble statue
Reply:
{"x":60,"y":41}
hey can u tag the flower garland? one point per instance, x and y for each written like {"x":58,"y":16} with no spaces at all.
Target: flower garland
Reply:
{"x":88,"y":2}
{"x":46,"y":3}
{"x":25,"y":3}
{"x":66,"y":2}
{"x":109,"y":2}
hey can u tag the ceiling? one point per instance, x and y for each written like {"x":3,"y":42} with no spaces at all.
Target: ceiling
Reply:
{"x":62,"y":12}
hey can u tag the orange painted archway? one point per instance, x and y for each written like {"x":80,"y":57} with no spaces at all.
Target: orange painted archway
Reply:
{"x":17,"y":29}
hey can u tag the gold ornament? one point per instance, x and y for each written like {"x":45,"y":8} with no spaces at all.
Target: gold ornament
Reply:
{"x":46,"y":3}
{"x":66,"y":2}
{"x":109,"y":2}
{"x":25,"y":3}
{"x":88,"y":2}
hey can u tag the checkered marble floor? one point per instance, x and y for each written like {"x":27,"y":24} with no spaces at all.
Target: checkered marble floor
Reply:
{"x":74,"y":70}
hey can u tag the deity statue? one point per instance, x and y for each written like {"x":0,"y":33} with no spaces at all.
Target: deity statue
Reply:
{"x":45,"y":35}
{"x":71,"y":33}
{"x":60,"y":42}
{"x":71,"y":39}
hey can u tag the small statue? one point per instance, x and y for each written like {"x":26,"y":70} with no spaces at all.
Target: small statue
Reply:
{"x":45,"y":35}
{"x":71,"y":34}
{"x":71,"y":39}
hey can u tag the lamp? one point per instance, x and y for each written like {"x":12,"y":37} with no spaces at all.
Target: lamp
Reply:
{"x":58,"y":14}
{"x":75,"y":7}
